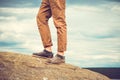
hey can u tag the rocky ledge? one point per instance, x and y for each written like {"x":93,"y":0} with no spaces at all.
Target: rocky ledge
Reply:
{"x":15,"y":66}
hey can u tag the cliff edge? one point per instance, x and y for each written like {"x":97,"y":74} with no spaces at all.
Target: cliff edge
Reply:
{"x":14,"y":66}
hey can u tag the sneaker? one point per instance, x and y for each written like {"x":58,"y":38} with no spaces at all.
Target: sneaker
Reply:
{"x":57,"y":59}
{"x":44,"y":54}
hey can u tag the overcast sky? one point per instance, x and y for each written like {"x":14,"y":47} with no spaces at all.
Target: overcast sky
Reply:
{"x":93,"y":30}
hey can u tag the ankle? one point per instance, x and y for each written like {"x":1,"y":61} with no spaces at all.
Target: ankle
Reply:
{"x":48,"y":49}
{"x":61,"y":53}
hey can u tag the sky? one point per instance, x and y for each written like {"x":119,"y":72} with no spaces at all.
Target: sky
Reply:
{"x":93,"y":30}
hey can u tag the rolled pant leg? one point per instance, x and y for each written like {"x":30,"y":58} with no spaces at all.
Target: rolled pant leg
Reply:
{"x":42,"y":21}
{"x":58,"y":13}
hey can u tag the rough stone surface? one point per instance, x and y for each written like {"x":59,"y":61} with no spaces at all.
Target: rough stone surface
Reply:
{"x":14,"y":66}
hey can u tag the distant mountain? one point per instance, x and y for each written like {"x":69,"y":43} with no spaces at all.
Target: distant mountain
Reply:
{"x":113,"y":73}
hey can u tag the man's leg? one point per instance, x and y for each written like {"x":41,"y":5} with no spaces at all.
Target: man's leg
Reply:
{"x":42,"y":21}
{"x":58,"y":13}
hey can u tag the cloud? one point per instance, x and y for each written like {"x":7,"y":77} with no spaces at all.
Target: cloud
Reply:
{"x":20,"y":3}
{"x":116,"y":9}
{"x":114,"y":0}
{"x":96,"y":17}
{"x":85,"y":2}
{"x":7,"y":18}
{"x":91,"y":2}
{"x":85,"y":8}
{"x":18,"y":32}
{"x":96,"y":35}
{"x":17,"y":10}
{"x":87,"y":57}
{"x":18,"y":13}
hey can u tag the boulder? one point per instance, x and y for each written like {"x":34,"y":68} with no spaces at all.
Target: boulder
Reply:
{"x":15,"y":66}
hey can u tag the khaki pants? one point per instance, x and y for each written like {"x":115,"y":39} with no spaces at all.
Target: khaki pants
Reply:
{"x":56,"y":9}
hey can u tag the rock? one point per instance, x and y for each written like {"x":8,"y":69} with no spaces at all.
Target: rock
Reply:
{"x":14,"y":66}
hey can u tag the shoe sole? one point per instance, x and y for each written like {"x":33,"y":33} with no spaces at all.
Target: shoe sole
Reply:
{"x":49,"y":63}
{"x":41,"y":57}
